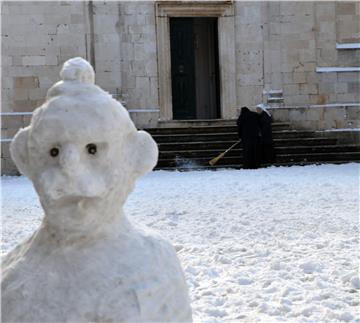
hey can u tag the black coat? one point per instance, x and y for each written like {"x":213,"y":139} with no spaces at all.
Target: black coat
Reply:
{"x":249,"y":133}
{"x":267,"y":150}
{"x":248,"y":125}
{"x":265,"y":127}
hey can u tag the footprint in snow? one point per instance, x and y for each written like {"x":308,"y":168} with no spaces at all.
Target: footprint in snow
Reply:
{"x":245,"y":281}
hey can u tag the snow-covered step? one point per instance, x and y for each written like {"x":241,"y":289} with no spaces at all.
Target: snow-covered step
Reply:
{"x":227,"y":136}
{"x":223,"y":145}
{"x":198,"y":143}
{"x":281,"y":158}
{"x":194,"y":167}
{"x":210,"y":153}
{"x":207,"y":129}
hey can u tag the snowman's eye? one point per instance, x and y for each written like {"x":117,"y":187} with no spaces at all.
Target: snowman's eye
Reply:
{"x":54,"y":152}
{"x":91,"y":149}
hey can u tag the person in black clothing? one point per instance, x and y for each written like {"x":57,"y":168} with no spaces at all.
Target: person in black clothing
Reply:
{"x":267,"y":144}
{"x":249,"y":133}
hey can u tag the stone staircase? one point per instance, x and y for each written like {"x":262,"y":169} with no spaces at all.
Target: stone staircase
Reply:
{"x":189,"y":145}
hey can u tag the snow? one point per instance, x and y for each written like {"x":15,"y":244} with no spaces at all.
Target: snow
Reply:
{"x":331,"y":105}
{"x":337,"y":69}
{"x":348,"y":46}
{"x":335,"y":105}
{"x":143,"y":110}
{"x":280,"y":91}
{"x":78,"y":69}
{"x":16,"y":113}
{"x":340,"y":130}
{"x":269,"y":245}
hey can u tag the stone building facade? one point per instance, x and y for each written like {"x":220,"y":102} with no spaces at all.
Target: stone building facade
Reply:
{"x":301,"y":58}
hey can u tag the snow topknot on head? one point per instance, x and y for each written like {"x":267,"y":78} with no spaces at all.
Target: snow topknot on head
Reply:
{"x":78,"y":69}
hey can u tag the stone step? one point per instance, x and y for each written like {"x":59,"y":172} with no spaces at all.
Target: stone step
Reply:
{"x":279,"y":150}
{"x":281,"y":158}
{"x":224,"y":144}
{"x":192,"y":143}
{"x":206,"y":129}
{"x":176,"y":138}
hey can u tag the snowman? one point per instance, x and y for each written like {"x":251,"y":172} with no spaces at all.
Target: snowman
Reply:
{"x":86,"y":262}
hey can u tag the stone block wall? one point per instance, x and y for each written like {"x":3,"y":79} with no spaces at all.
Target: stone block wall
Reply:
{"x":278,"y":46}
{"x":320,"y":117}
{"x":138,"y":54}
{"x":37,"y":37}
{"x":250,"y":51}
{"x":337,"y":23}
{"x":104,"y":42}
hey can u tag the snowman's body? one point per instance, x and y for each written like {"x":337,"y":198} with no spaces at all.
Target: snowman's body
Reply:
{"x":86,"y":262}
{"x":129,"y":276}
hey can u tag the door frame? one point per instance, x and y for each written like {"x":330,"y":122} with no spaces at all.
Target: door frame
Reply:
{"x":224,"y":11}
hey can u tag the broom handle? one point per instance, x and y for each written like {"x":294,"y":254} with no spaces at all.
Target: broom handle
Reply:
{"x":231,"y":146}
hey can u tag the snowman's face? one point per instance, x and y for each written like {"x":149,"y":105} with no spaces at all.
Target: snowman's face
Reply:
{"x":83,"y":155}
{"x":73,"y":157}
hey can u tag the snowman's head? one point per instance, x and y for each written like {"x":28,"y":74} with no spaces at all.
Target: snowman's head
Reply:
{"x":81,"y":150}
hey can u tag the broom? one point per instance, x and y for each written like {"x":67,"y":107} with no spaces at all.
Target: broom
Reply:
{"x":213,"y":161}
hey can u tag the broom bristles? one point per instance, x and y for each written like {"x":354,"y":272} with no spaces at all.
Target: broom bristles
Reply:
{"x":213,"y":161}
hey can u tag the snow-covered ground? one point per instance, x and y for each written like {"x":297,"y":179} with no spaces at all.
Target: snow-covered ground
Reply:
{"x":275,"y":244}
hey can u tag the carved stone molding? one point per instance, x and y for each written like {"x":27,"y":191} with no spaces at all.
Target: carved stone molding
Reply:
{"x":194,"y":8}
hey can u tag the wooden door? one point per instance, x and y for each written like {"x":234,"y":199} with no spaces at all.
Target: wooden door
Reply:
{"x":194,"y":68}
{"x":182,"y":68}
{"x":206,"y":68}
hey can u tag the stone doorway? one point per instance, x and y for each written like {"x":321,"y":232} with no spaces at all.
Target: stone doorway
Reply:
{"x":221,"y":11}
{"x":194,"y":68}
